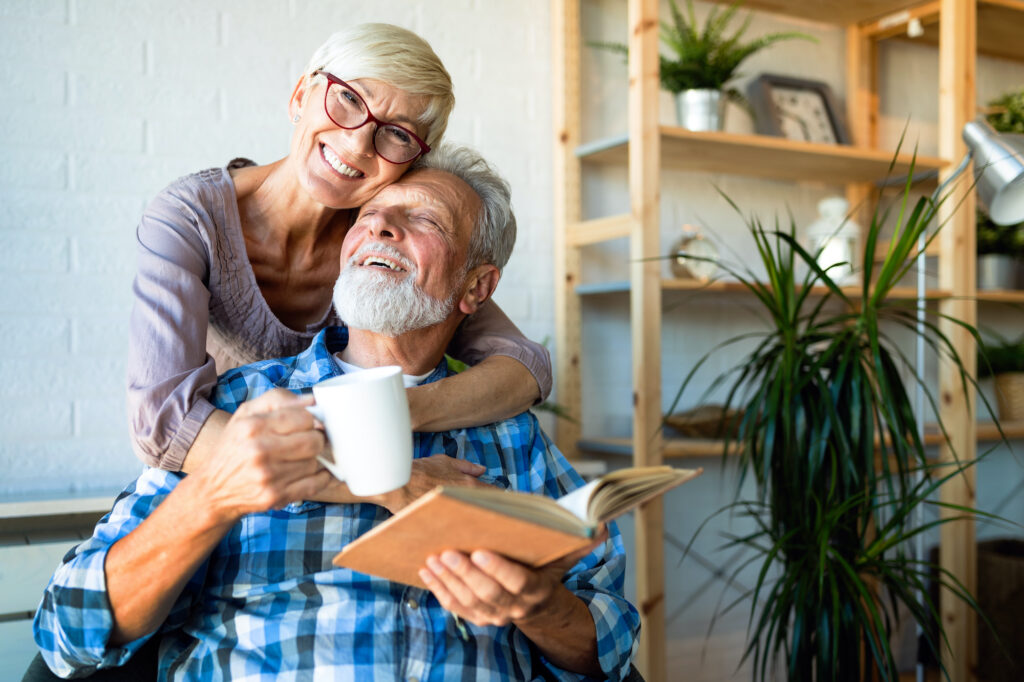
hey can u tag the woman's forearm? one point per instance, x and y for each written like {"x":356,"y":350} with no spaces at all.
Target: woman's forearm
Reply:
{"x":206,"y":443}
{"x":497,"y":388}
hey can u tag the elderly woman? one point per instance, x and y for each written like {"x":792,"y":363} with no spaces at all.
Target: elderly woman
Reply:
{"x":237,"y":264}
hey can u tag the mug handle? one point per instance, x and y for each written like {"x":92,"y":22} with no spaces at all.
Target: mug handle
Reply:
{"x":333,"y":467}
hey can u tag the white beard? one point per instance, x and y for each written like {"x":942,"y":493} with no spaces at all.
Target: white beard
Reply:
{"x":369,"y":299}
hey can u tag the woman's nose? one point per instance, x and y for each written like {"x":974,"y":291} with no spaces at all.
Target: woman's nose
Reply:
{"x":363,"y":138}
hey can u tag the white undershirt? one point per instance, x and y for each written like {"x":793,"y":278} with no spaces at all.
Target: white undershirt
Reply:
{"x":408,"y":379}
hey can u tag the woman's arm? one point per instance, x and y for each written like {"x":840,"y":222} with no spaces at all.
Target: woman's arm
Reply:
{"x":510,"y":374}
{"x":498,"y":388}
{"x":169,"y":371}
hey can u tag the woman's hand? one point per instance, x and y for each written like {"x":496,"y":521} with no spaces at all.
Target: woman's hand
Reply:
{"x":427,"y":473}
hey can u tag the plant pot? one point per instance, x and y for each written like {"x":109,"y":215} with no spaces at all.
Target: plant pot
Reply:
{"x":1001,"y":595}
{"x":1010,"y":396}
{"x":996,"y":271}
{"x":700,"y":110}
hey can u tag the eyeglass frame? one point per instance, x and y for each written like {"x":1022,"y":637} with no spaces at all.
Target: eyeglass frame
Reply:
{"x":331,"y":78}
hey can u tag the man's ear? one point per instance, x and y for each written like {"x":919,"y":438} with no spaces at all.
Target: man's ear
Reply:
{"x":299,"y":95}
{"x":480,"y":284}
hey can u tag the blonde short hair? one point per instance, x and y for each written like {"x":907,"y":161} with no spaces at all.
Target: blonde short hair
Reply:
{"x":395,"y":56}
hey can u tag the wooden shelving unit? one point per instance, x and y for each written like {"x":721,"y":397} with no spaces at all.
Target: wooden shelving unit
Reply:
{"x":730,"y":287}
{"x":761,"y":156}
{"x":961,"y":29}
{"x":681,"y":448}
{"x":723,"y":286}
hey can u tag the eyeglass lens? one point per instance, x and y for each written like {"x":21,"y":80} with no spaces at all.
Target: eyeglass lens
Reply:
{"x":348,"y":110}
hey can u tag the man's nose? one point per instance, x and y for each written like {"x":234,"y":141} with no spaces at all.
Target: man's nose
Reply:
{"x":386,"y":223}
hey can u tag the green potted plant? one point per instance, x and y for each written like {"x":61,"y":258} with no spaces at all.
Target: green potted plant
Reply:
{"x":704,"y":59}
{"x":1004,"y":360}
{"x":829,"y":436}
{"x":1006,"y":112}
{"x":999,"y":248}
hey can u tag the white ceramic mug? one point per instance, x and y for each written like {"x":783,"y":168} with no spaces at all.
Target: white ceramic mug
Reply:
{"x":366,"y":415}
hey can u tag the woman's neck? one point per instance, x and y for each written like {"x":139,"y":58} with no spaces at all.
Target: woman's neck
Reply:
{"x":275,"y":208}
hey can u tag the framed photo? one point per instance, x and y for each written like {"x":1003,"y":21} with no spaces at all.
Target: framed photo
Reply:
{"x":797,"y":109}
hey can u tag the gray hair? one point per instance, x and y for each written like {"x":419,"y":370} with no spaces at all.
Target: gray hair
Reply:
{"x":494,"y":234}
{"x":395,"y":56}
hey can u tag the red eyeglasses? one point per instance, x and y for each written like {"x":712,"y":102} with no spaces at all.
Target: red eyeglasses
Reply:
{"x":348,"y":110}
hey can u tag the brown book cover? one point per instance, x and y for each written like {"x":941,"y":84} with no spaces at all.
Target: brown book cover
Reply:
{"x":532,"y":529}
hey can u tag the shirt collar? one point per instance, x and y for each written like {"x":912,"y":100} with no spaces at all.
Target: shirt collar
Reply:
{"x":319,"y":357}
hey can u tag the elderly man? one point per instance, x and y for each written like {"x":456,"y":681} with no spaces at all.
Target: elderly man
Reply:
{"x":235,"y":579}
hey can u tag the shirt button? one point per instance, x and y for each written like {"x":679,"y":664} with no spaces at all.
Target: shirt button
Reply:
{"x":411,"y":603}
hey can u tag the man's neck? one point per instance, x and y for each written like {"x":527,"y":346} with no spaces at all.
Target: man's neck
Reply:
{"x":416,"y":352}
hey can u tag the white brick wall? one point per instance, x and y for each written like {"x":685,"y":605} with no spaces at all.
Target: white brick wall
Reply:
{"x":107,"y":101}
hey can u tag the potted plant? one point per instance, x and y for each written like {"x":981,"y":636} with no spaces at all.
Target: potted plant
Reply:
{"x":703,"y":62}
{"x":999,"y":247}
{"x":1006,"y":112}
{"x":828,"y":433}
{"x":1004,"y":360}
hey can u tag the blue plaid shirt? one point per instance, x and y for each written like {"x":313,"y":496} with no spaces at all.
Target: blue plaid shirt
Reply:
{"x":269,"y":605}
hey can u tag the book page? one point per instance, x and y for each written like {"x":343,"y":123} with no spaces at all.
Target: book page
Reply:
{"x":578,"y":501}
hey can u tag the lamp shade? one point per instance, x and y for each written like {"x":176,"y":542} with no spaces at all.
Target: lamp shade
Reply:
{"x":999,"y":170}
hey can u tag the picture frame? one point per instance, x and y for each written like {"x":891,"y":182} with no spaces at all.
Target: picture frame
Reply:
{"x":797,"y":109}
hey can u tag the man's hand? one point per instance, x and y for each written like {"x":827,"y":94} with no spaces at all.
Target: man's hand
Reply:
{"x":488,"y":589}
{"x":267,"y":457}
{"x":427,"y":473}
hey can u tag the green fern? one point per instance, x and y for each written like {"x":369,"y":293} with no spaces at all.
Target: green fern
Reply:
{"x":708,"y":57}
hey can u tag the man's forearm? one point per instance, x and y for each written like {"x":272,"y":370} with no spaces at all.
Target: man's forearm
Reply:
{"x":147,"y":569}
{"x":565,"y":633}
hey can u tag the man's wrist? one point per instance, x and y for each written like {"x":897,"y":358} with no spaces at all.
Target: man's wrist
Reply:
{"x":554,"y":612}
{"x":208,"y":507}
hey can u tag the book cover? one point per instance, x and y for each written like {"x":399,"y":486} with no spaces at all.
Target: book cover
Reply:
{"x":532,"y":529}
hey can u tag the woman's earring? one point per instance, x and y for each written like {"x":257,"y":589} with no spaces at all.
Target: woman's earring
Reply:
{"x":297,"y":117}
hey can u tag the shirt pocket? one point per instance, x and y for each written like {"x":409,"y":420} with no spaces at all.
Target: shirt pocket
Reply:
{"x":288,"y":543}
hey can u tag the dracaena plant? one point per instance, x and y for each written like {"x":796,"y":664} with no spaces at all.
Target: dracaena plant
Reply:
{"x":829,"y":435}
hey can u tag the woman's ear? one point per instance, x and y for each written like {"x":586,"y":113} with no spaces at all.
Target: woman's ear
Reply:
{"x":298,"y":97}
{"x":480,"y":284}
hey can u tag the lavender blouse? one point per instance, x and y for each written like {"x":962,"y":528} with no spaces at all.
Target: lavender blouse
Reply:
{"x":198,"y":312}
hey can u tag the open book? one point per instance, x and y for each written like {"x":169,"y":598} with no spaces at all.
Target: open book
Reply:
{"x":531,"y":529}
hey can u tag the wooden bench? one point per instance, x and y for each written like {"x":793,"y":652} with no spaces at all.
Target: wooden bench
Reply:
{"x":34,"y":537}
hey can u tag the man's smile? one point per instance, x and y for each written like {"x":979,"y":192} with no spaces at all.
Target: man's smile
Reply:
{"x":382,"y":257}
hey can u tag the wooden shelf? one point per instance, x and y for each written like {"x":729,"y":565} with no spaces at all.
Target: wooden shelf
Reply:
{"x":841,"y":12}
{"x":715,"y":287}
{"x":1000,"y":22}
{"x":698,"y":447}
{"x":762,"y":156}
{"x":674,"y":448}
{"x":1001,"y":296}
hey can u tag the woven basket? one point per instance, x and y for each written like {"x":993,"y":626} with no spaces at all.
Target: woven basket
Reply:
{"x":707,"y":421}
{"x":1010,"y":396}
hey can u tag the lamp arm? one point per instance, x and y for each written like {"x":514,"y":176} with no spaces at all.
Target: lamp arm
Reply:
{"x":953,"y":176}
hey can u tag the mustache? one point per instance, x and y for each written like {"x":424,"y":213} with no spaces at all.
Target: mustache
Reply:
{"x":382,"y":249}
